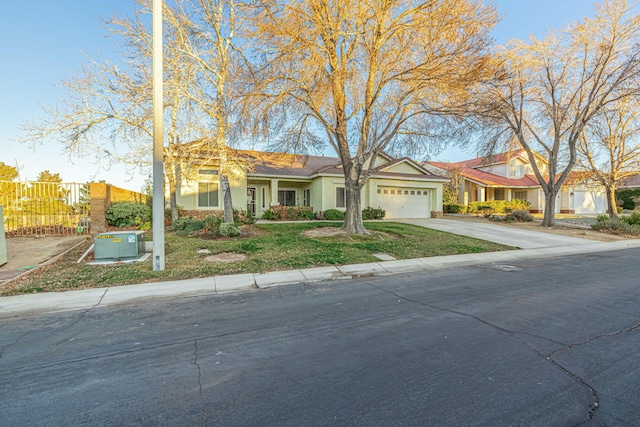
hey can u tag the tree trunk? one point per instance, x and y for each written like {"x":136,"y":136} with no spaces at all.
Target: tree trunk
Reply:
{"x":227,"y":203}
{"x":611,"y":200}
{"x":549,"y":219}
{"x":173,"y":179}
{"x":353,"y":217}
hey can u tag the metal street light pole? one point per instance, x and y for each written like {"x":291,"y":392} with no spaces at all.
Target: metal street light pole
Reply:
{"x":158,"y":130}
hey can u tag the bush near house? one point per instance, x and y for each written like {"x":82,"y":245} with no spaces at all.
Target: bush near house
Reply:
{"x":129,"y":214}
{"x":490,"y":207}
{"x":373,"y":213}
{"x":291,"y":213}
{"x":333,"y":215}
{"x":521,"y":215}
{"x":623,"y":225}
{"x":627,"y":197}
{"x":454,"y":208}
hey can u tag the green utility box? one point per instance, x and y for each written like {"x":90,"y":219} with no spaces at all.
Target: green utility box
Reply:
{"x":118,"y":245}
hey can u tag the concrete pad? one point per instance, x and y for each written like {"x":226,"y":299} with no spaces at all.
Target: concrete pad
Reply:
{"x":322,"y":273}
{"x":362,"y":269}
{"x":384,"y":257}
{"x":235,"y":282}
{"x":402,"y":265}
{"x":275,"y":278}
{"x":83,"y":299}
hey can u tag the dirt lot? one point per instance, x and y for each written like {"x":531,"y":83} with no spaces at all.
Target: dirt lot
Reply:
{"x":24,"y":253}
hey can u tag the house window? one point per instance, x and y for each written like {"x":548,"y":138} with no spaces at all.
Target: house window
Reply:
{"x":340,"y":197}
{"x":263,"y":193}
{"x":520,"y":195}
{"x":306,"y":197}
{"x":287,"y":197}
{"x":517,"y":170}
{"x":413,"y":193}
{"x":208,"y":195}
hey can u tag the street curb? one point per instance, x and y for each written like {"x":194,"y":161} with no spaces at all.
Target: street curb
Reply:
{"x":87,"y":299}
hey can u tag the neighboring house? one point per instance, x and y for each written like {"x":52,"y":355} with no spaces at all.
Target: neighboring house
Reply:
{"x":507,"y":176}
{"x":631,"y":182}
{"x":402,"y":187}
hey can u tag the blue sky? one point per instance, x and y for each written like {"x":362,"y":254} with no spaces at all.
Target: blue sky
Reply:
{"x":41,"y":42}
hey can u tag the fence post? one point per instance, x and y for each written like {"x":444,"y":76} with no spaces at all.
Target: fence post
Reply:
{"x":100,"y":201}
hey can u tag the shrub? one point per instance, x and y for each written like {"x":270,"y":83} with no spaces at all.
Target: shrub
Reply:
{"x":129,"y":214}
{"x":373,"y":213}
{"x":211,"y":224}
{"x":627,"y":197}
{"x":489,"y":207}
{"x":633,"y":219}
{"x":294,"y":213}
{"x":299,"y":213}
{"x":271,"y":214}
{"x":228,"y":229}
{"x":333,"y":215}
{"x":242,"y":217}
{"x":455,"y":208}
{"x":520,"y":215}
{"x":617,"y":226}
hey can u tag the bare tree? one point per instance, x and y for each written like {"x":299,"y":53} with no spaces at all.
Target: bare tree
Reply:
{"x":205,"y":34}
{"x":552,"y":88}
{"x":365,"y":74}
{"x":609,"y":147}
{"x":111,"y":101}
{"x":106,"y":113}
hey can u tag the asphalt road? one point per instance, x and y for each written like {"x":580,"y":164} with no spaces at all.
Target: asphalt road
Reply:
{"x":531,"y":343}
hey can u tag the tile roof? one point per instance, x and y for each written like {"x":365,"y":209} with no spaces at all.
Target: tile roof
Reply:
{"x":486,"y":178}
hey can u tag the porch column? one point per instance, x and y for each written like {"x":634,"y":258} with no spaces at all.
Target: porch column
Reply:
{"x":274,"y":192}
{"x":508,"y":195}
{"x":481,"y":194}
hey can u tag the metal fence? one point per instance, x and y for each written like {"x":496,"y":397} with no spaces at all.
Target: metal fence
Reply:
{"x":45,"y":208}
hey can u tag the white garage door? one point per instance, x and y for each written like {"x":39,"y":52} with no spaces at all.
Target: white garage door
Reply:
{"x":589,"y":202}
{"x":401,"y":202}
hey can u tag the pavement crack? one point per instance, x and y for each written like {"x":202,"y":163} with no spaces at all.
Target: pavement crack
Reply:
{"x":195,"y":362}
{"x":16,"y":341}
{"x":593,"y":407}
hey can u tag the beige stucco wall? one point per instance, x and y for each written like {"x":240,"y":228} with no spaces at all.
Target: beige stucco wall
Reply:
{"x":187,"y":189}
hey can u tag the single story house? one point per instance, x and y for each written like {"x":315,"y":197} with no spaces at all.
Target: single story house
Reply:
{"x":259,"y":180}
{"x":509,"y":175}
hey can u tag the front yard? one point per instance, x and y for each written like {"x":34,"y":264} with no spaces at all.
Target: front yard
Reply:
{"x":266,"y":247}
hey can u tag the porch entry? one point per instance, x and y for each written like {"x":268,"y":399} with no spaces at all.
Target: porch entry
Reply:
{"x":251,"y":200}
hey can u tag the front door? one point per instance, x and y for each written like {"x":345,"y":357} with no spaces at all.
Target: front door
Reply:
{"x":251,"y":200}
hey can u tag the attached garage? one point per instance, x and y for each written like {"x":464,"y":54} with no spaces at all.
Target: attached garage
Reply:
{"x":589,"y":202}
{"x":400,"y":202}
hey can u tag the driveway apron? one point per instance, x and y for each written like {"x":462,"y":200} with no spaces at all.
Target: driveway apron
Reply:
{"x":510,"y":236}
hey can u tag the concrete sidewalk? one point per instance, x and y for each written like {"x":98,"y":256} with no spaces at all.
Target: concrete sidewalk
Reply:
{"x":21,"y":305}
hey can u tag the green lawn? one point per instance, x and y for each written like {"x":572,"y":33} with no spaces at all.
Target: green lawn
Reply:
{"x":272,"y":247}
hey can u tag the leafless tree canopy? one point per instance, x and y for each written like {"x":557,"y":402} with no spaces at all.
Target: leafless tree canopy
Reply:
{"x":550,"y":89}
{"x":364,"y":74}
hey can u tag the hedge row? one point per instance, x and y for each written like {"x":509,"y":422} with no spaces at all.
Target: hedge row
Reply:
{"x":489,"y":207}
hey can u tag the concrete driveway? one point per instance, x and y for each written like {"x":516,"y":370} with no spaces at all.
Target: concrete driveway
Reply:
{"x":524,"y":239}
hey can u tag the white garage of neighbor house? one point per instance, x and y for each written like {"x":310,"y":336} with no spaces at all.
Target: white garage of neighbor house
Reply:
{"x":402,"y":187}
